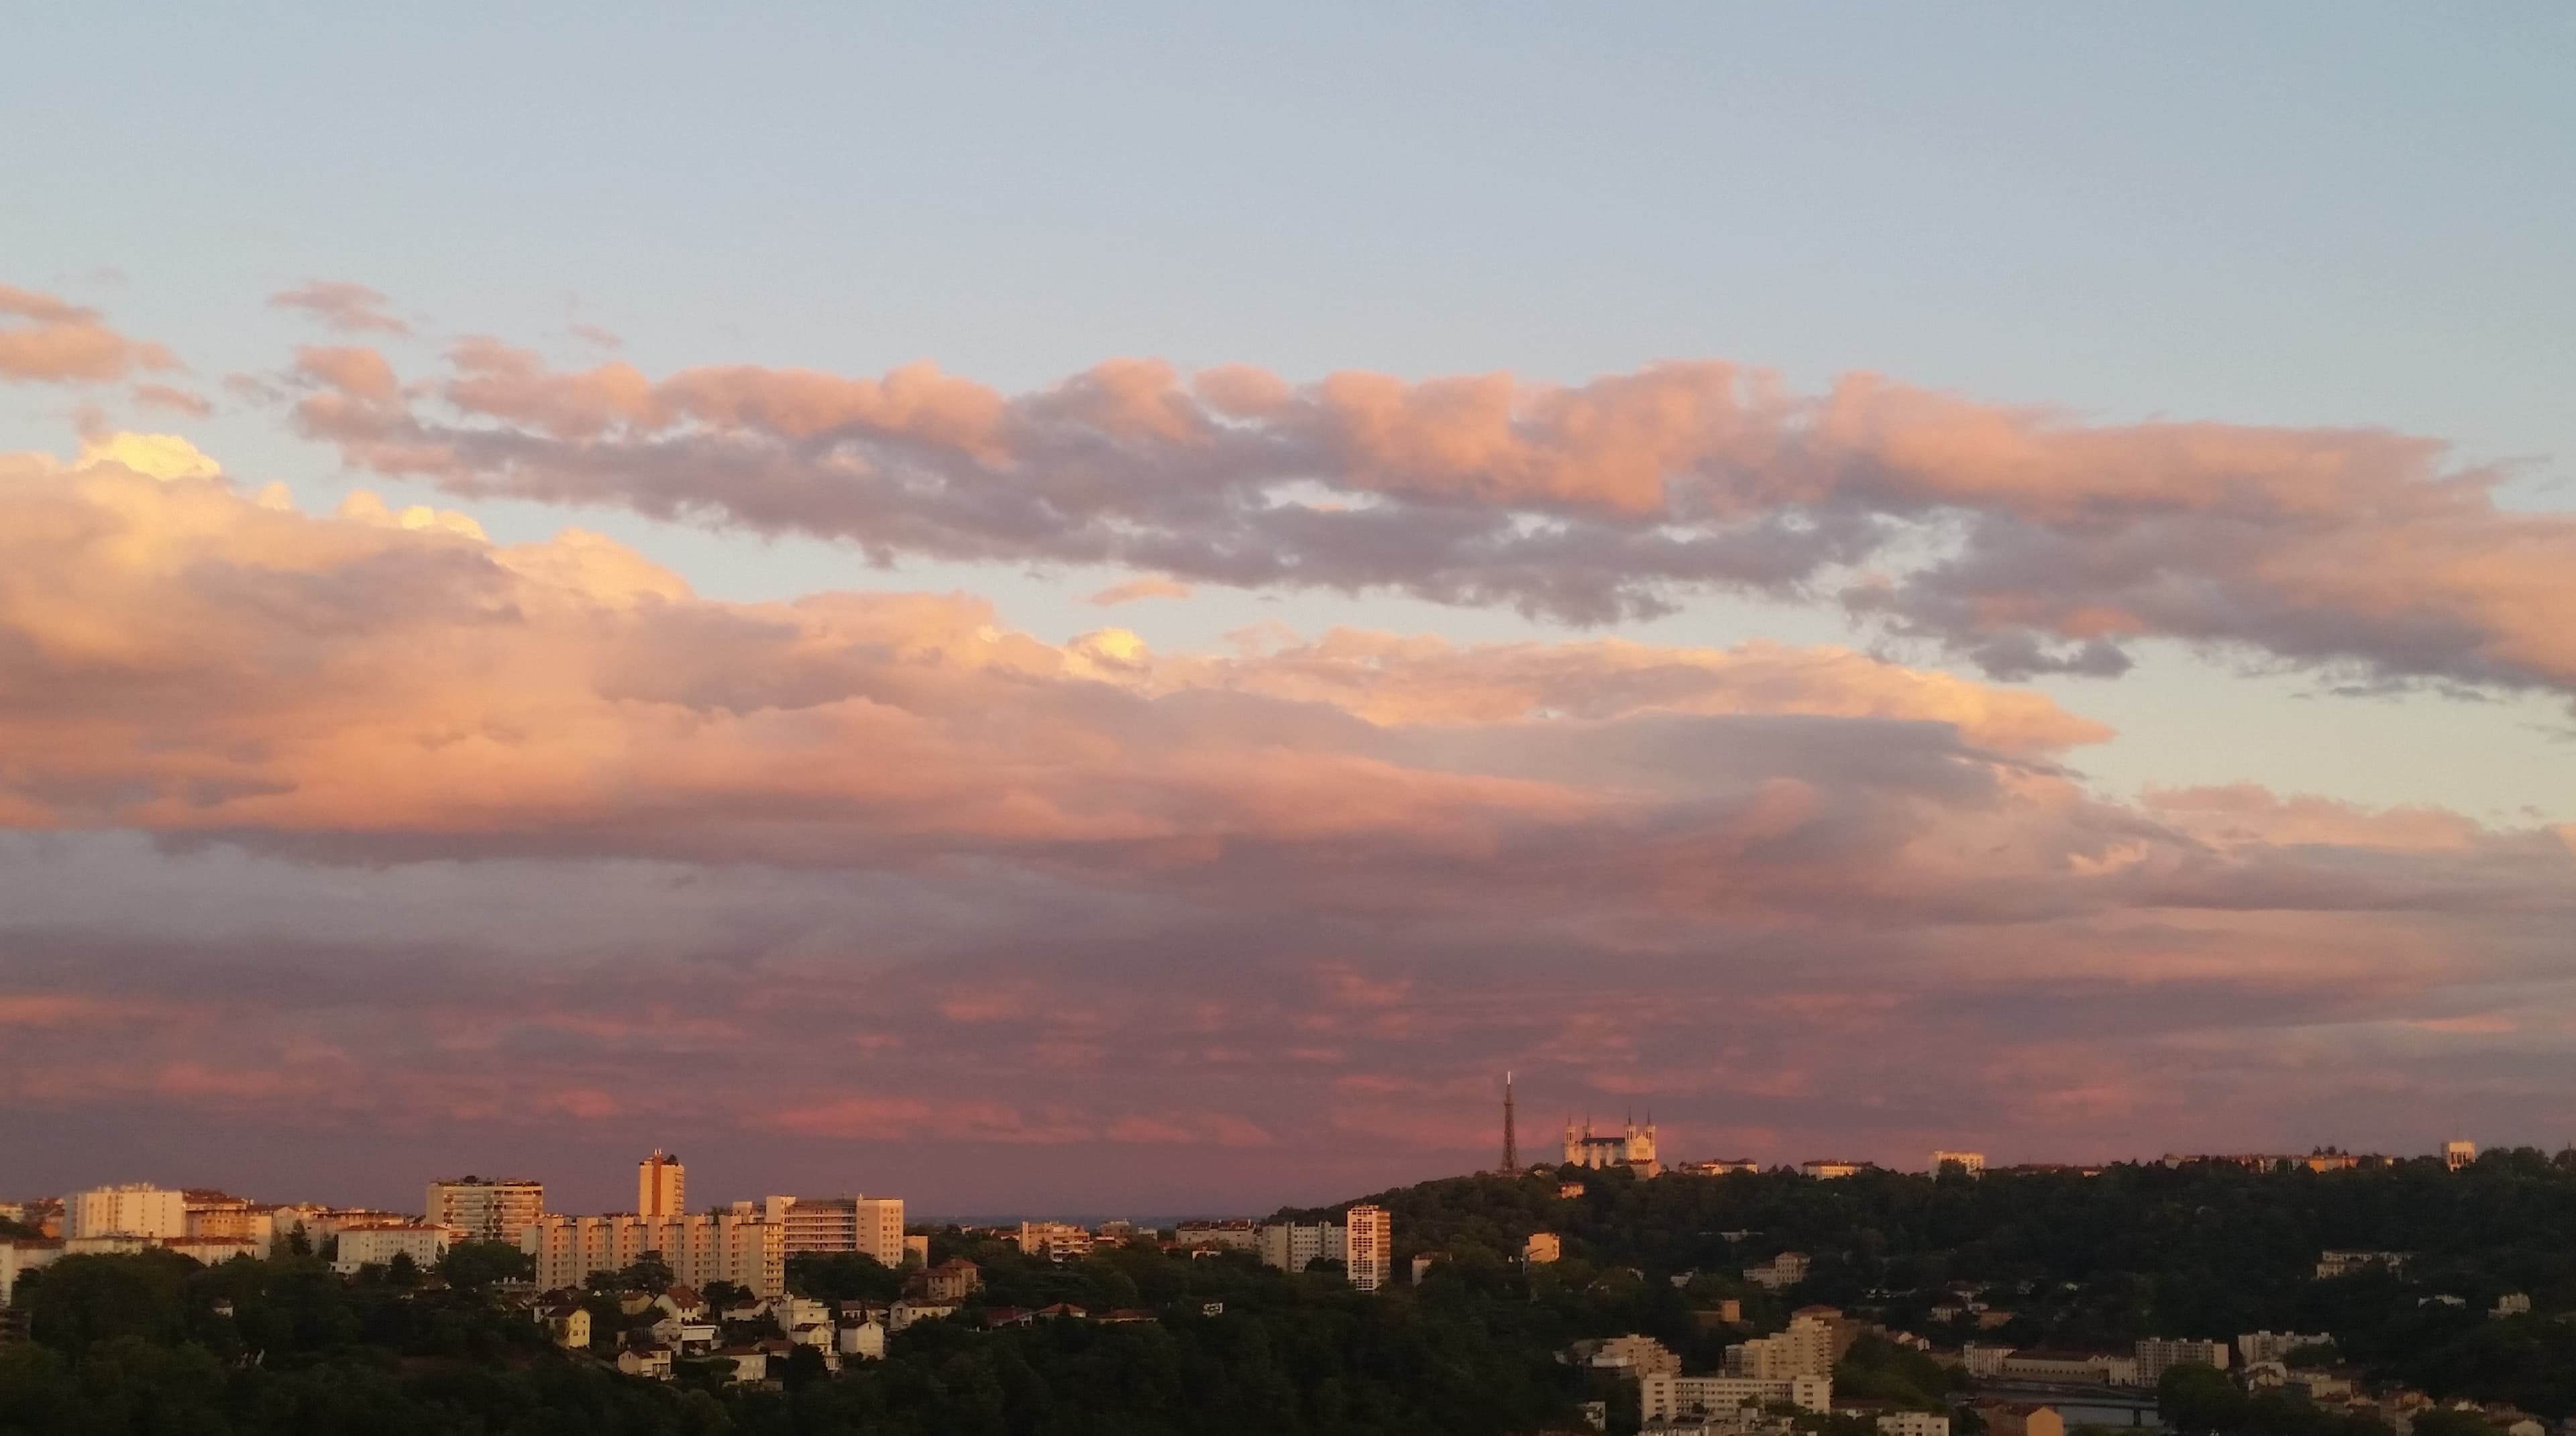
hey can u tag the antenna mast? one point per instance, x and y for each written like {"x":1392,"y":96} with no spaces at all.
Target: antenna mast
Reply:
{"x":1511,"y":1145}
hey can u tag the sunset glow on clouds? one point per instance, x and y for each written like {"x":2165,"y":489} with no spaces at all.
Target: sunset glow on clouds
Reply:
{"x":350,"y":818}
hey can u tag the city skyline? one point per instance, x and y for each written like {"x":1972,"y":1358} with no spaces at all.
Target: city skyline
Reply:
{"x":1068,"y":627}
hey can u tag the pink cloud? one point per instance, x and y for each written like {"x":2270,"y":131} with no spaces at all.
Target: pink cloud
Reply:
{"x":2021,"y":538}
{"x":46,"y":340}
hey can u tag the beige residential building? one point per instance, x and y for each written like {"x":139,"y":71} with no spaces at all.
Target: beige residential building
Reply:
{"x":2456,"y":1155}
{"x":1667,"y":1396}
{"x":951,"y":1281}
{"x":1807,"y":1348}
{"x":20,"y":1255}
{"x":137,"y":1209}
{"x":1369,"y":1239}
{"x":748,"y":1250}
{"x":661,"y":1186}
{"x":486,"y":1210}
{"x":1973,"y":1163}
{"x":1056,"y":1241}
{"x":1785,"y":1270}
{"x":870,"y":1226}
{"x":1912,"y":1423}
{"x":378,"y":1243}
{"x":1828,"y":1168}
{"x":219,"y":1214}
{"x":1634,"y":1355}
{"x":1541,"y":1249}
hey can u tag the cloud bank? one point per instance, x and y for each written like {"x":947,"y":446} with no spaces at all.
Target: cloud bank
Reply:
{"x":2027,"y":541}
{"x":478,"y":844}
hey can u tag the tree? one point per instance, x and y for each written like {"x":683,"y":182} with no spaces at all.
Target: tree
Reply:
{"x":472,"y":1266}
{"x":84,"y":1300}
{"x":2196,"y":1400}
{"x":720,"y":1294}
{"x":649,"y":1273}
{"x":843,"y":1276}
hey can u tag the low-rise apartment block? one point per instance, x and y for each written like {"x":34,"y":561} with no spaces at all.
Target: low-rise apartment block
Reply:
{"x":1662,"y":1396}
{"x":748,"y":1250}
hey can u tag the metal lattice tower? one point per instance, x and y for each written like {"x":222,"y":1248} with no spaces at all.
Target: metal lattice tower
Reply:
{"x":1511,"y":1145}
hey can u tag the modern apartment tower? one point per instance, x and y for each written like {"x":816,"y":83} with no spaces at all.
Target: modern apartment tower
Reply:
{"x":481,"y":1209}
{"x":661,"y":1188}
{"x":1371,"y":1242}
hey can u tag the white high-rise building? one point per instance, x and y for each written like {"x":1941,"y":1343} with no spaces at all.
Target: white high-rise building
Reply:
{"x":1369,"y":1238}
{"x":661,"y":1187}
{"x":1973,"y":1163}
{"x":138,"y":1209}
{"x":486,"y":1210}
{"x":872,"y":1226}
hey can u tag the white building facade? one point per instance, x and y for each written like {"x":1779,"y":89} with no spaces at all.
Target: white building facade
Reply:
{"x":138,"y":1209}
{"x":749,"y":1251}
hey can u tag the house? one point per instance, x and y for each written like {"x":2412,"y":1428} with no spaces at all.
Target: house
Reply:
{"x":905,"y":1313}
{"x":745,"y":1310}
{"x":951,"y":1281}
{"x":682,"y":1302}
{"x":1063,"y":1311}
{"x":865,"y":1340}
{"x":750,"y":1363}
{"x":651,"y":1360}
{"x":1785,"y":1270}
{"x":688,"y":1338}
{"x":1008,"y":1316}
{"x":568,"y":1323}
{"x":1632,"y":1355}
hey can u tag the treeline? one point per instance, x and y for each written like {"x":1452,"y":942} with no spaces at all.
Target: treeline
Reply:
{"x":154,"y":1343}
{"x":2206,"y":1250}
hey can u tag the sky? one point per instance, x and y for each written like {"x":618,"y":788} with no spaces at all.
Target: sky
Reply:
{"x":1117,"y":610}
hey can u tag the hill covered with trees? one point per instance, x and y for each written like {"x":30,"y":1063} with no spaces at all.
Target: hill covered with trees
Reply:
{"x":154,"y":1343}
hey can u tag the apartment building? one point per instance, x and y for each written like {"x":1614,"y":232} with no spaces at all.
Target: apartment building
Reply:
{"x":869,"y":1226}
{"x":486,"y":1210}
{"x":137,"y":1209}
{"x":746,"y":1249}
{"x":1369,"y":1245}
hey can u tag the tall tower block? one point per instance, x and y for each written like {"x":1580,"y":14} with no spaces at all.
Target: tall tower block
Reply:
{"x":661,"y":1187}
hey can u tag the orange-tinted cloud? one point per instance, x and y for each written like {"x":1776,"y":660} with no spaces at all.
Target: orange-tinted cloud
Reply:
{"x":2025,"y":539}
{"x":45,"y":340}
